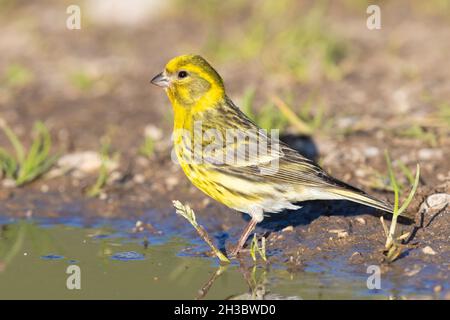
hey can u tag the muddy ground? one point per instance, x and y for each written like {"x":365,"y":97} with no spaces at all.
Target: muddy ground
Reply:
{"x":392,"y":79}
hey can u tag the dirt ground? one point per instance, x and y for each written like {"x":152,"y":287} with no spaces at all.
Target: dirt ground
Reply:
{"x":392,"y":79}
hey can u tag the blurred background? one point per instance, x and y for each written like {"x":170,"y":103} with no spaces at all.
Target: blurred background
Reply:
{"x":360,"y":91}
{"x":104,"y":132}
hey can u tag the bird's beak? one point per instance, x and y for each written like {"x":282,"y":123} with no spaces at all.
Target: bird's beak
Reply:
{"x":160,"y":80}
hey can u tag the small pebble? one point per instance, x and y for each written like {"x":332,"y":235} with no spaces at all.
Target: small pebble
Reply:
{"x":8,"y":183}
{"x":429,"y":250}
{"x":361,"y":220}
{"x":412,"y":272}
{"x":342,"y":235}
{"x":360,"y":173}
{"x":44,"y":188}
{"x":430,"y":154}
{"x":336,"y":230}
{"x":435,"y":202}
{"x":139,"y":227}
{"x":206,"y":202}
{"x":171,"y":182}
{"x":371,"y":152}
{"x":139,"y":179}
{"x":153,"y":132}
{"x":288,"y":229}
{"x":356,"y":258}
{"x":85,"y":162}
{"x":115,"y":176}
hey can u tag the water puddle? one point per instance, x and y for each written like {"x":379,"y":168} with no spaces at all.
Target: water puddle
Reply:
{"x":115,"y":263}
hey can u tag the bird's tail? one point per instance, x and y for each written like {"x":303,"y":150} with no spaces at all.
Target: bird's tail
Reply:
{"x":362,"y":198}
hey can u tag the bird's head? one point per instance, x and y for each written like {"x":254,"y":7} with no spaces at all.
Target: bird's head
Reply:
{"x":189,"y":80}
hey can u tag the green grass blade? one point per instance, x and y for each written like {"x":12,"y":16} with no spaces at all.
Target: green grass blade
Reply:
{"x":7,"y":164}
{"x":46,"y":142}
{"x":37,"y":171}
{"x":413,"y":191}
{"x":393,"y":181}
{"x":100,"y":182}
{"x":14,"y":140}
{"x":407,"y":172}
{"x":253,"y":247}
{"x":30,"y":162}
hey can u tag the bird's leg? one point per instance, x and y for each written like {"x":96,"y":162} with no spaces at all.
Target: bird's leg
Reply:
{"x":248,"y":229}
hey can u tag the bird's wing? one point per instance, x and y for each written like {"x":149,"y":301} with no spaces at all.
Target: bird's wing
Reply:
{"x":249,"y":152}
{"x":281,"y":165}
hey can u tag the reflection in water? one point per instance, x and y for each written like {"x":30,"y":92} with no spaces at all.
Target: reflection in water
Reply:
{"x":52,"y":257}
{"x":34,"y":256}
{"x":10,"y":246}
{"x":205,"y":288}
{"x":257,"y":285}
{"x":128,"y":256}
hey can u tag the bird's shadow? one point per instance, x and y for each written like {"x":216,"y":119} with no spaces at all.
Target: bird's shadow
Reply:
{"x":303,"y":144}
{"x":311,"y":210}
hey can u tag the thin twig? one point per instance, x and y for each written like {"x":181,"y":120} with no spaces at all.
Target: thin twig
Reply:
{"x":186,"y":212}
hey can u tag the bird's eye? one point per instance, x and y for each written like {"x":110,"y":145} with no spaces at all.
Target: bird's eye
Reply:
{"x":182,"y":74}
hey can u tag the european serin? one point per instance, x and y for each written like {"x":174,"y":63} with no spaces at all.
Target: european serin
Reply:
{"x":232,"y":160}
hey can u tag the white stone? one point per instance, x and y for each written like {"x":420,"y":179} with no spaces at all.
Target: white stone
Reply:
{"x":430,"y":154}
{"x":429,"y":250}
{"x":435,"y":202}
{"x":83,"y":162}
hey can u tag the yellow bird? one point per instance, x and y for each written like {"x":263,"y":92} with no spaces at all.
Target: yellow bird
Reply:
{"x":232,"y":160}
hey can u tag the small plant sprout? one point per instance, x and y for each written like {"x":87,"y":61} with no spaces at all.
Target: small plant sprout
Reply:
{"x":148,"y":147}
{"x":255,"y":248}
{"x":104,"y":171}
{"x":26,"y":165}
{"x":186,"y":212}
{"x":82,"y":80}
{"x":17,"y":76}
{"x":393,"y":247}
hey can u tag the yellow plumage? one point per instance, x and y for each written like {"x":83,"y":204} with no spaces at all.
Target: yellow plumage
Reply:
{"x":253,"y":182}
